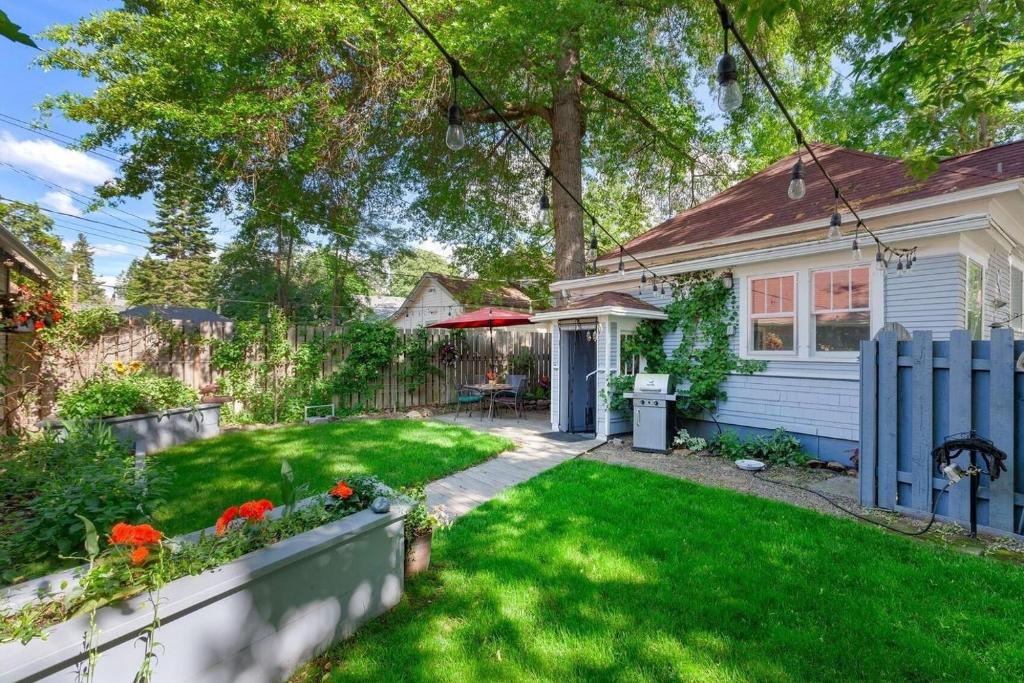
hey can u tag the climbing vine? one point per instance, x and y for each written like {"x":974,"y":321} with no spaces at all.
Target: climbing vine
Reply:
{"x":702,"y":310}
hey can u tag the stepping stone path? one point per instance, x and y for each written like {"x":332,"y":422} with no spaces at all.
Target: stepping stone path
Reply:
{"x":461,"y":492}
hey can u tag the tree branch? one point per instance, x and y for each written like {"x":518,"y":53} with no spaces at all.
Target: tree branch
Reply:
{"x":511,"y":112}
{"x":637,"y":114}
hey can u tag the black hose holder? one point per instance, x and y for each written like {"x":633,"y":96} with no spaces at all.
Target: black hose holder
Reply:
{"x":976,"y":447}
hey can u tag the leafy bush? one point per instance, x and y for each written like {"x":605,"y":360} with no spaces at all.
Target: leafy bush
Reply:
{"x":692,"y":443}
{"x":780,"y":448}
{"x":50,"y":480}
{"x":114,"y":393}
{"x":729,"y":445}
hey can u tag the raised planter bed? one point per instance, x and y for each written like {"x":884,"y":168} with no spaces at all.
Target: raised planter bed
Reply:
{"x":152,"y":432}
{"x":257,"y":618}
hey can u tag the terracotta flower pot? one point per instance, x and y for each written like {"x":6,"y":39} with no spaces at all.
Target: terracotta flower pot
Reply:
{"x":417,"y":554}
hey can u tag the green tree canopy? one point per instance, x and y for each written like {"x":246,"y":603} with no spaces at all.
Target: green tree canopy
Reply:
{"x":80,"y":264}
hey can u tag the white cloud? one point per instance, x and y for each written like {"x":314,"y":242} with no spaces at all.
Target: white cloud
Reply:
{"x":54,"y":162}
{"x":437,"y":247}
{"x":60,"y":201}
{"x":104,"y":249}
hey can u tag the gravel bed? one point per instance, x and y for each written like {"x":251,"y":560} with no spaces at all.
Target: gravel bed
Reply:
{"x":713,"y":471}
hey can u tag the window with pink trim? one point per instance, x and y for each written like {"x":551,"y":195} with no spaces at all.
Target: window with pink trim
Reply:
{"x":842,"y":309}
{"x":773,"y":313}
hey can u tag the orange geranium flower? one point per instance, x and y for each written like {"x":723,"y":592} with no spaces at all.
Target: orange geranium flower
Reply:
{"x":139,"y":555}
{"x":254,"y":510}
{"x":341,"y":490}
{"x":133,"y":534}
{"x":225,"y":519}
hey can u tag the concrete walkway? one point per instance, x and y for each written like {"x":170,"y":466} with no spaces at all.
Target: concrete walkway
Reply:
{"x":461,"y":492}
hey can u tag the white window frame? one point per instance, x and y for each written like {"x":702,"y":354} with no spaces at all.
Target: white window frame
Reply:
{"x":748,"y":327}
{"x":812,"y":313}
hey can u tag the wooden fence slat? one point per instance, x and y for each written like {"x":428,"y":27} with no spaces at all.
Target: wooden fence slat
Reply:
{"x":921,"y":425}
{"x":960,"y":411}
{"x":1002,"y":421}
{"x":868,"y":423}
{"x":887,"y":420}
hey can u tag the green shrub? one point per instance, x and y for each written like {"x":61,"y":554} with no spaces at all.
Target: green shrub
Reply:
{"x":728,"y":444}
{"x":113,"y":394}
{"x":50,"y":479}
{"x":781,"y":448}
{"x":691,"y":443}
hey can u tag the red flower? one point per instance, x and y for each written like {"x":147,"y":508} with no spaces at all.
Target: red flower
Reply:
{"x":136,"y":535}
{"x":57,"y":315}
{"x":254,"y":510}
{"x":139,"y":555}
{"x":39,"y":325}
{"x":225,"y":519}
{"x":341,"y":490}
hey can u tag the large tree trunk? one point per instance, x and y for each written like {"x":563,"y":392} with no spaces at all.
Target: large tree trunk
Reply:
{"x":567,"y":166}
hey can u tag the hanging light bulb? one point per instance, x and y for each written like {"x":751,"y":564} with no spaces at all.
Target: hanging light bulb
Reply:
{"x":880,"y":260}
{"x":592,"y":249}
{"x":910,"y":263}
{"x":545,"y":204}
{"x":456,"y":136}
{"x":797,"y":187}
{"x":622,"y":266}
{"x":899,"y":266}
{"x":663,"y":288}
{"x":834,"y":231}
{"x":855,"y":251}
{"x":730,"y":97}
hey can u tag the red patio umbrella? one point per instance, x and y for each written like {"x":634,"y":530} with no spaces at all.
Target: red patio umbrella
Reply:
{"x":485,"y":317}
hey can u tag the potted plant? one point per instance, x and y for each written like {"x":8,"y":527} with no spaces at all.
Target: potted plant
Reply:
{"x":420,"y":523}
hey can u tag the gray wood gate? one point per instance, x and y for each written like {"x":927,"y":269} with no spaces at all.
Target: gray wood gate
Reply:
{"x":916,"y":394}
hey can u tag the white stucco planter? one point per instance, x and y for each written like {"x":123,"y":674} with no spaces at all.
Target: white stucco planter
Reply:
{"x":152,"y":432}
{"x":254,"y":619}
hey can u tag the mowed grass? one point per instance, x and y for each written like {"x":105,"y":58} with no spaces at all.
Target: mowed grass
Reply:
{"x":592,"y":572}
{"x":208,"y":476}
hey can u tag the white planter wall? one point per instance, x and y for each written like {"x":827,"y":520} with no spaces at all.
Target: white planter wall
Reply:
{"x":255,"y":619}
{"x":154,"y":432}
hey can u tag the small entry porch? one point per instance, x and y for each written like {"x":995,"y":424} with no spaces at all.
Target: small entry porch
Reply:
{"x":586,"y":337}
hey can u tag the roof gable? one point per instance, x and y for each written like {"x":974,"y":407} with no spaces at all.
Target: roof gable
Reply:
{"x":472,"y":292}
{"x":868,"y":180}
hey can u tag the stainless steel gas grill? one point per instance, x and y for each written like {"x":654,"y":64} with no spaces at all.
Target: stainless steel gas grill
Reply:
{"x":653,"y":413}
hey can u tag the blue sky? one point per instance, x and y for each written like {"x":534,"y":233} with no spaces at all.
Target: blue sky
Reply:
{"x":63,"y":178}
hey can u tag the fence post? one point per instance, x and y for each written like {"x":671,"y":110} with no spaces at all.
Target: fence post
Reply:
{"x":866,"y":465}
{"x":960,"y":411}
{"x":921,"y":424}
{"x":1001,"y":421}
{"x":887,"y":418}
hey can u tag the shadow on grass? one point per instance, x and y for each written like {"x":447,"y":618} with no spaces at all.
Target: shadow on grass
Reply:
{"x":595,"y":572}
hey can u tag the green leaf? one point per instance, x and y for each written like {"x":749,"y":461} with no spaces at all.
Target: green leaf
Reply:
{"x":92,"y":539}
{"x":12,"y":31}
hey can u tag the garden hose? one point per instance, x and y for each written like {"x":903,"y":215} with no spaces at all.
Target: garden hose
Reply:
{"x":931,"y":520}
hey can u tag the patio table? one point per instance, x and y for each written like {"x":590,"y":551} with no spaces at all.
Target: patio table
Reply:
{"x":491,"y":390}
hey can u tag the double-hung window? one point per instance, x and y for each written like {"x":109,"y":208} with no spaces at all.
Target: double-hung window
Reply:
{"x":842,"y":314}
{"x":773,"y":314}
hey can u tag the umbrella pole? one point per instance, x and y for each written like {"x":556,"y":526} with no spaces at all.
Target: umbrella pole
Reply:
{"x":494,"y":366}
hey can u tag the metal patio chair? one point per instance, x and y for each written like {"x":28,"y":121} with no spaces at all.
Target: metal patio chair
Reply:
{"x":511,"y":398}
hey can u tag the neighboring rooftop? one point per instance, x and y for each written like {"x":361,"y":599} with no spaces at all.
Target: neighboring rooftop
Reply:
{"x":193,"y":315}
{"x":381,"y":306}
{"x":606,"y":300}
{"x":473,"y":292}
{"x":867,"y":180}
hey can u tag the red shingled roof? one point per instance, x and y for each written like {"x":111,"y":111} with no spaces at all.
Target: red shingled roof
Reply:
{"x":617,"y":299}
{"x":471,"y":292}
{"x":867,"y":180}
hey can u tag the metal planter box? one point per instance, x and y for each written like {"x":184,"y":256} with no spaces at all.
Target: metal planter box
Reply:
{"x":256,"y":619}
{"x":152,"y":432}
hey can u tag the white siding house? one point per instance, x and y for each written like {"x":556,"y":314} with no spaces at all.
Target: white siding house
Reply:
{"x":791,"y":283}
{"x":437,"y":297}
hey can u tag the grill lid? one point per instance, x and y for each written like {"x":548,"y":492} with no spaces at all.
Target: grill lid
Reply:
{"x":650,"y":384}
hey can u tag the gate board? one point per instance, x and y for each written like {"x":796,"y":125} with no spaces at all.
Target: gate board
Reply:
{"x":915,"y":395}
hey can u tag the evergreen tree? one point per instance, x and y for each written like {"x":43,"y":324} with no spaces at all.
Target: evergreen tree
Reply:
{"x":80,"y":259}
{"x":179,"y":267}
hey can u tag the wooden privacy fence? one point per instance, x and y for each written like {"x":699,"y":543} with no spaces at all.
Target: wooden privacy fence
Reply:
{"x":190,"y":360}
{"x":914,"y":396}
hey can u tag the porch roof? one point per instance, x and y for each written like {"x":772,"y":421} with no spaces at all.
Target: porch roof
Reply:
{"x":603,"y":303}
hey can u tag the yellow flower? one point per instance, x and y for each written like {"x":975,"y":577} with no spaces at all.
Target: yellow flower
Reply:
{"x":120,"y":368}
{"x":135,"y":366}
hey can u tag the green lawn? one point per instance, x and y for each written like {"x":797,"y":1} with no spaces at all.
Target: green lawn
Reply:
{"x":208,"y":476}
{"x":593,"y":572}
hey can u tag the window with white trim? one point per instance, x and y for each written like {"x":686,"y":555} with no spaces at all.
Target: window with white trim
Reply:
{"x":975,"y":298}
{"x":772,"y":313}
{"x":842,"y":309}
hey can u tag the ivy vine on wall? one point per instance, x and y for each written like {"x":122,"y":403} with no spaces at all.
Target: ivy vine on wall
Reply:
{"x":702,"y":310}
